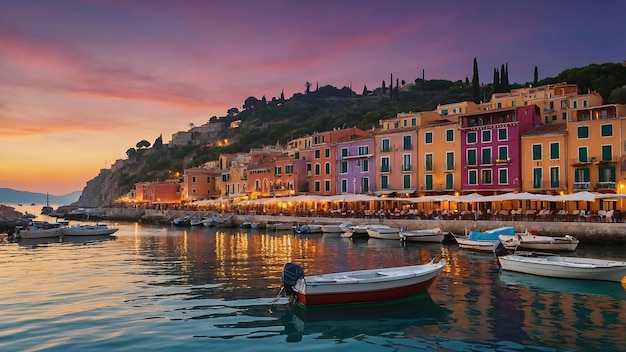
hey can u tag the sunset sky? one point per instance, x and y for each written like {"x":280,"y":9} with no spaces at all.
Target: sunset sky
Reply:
{"x":83,"y":81}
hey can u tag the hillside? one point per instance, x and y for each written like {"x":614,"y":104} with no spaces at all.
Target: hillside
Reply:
{"x":278,"y":120}
{"x":11,"y":196}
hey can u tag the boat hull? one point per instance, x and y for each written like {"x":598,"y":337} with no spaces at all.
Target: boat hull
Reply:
{"x":545,"y":243}
{"x":431,"y":235}
{"x":475,"y":245}
{"x":384,"y":233}
{"x":86,"y":230}
{"x":565,"y":268}
{"x":366,"y":286}
{"x":47,"y":233}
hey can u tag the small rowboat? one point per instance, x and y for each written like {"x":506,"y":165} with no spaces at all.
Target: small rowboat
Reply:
{"x":425,"y":235}
{"x":552,"y":265}
{"x":362,"y":286}
{"x":529,"y":240}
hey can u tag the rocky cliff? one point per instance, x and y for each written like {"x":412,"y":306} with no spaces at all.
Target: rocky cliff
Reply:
{"x":109,"y":185}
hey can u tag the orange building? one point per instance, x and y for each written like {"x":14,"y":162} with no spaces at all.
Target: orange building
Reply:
{"x":198,"y":184}
{"x":544,"y":159}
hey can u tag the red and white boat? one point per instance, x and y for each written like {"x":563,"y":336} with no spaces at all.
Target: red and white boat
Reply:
{"x":361,"y":286}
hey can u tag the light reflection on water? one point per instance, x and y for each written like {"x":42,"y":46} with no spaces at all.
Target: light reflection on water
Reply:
{"x":164,"y":288}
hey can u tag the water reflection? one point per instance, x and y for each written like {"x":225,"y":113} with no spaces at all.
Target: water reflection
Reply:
{"x":342,"y":323}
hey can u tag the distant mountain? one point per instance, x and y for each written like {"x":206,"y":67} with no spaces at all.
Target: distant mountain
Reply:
{"x":11,"y":196}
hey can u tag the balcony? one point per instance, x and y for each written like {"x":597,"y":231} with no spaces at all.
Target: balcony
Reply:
{"x":580,"y":186}
{"x":605,"y":187}
{"x":503,"y":161}
{"x":407,"y":167}
{"x":384,"y":168}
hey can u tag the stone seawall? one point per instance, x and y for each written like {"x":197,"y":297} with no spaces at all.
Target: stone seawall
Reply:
{"x":586,"y":232}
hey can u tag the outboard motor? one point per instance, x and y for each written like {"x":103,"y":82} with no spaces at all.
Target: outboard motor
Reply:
{"x":291,"y":274}
{"x":499,"y":250}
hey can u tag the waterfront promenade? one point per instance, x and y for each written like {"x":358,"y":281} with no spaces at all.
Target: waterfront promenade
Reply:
{"x":588,"y":232}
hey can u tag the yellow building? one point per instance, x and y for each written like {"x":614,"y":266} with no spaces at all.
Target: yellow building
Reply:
{"x":596,"y":148}
{"x":544,"y":156}
{"x":438,"y":156}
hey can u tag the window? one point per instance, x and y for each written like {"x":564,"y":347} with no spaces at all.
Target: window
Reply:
{"x":537,"y":177}
{"x":406,"y":181}
{"x":428,"y":137}
{"x":606,"y":130}
{"x":317,"y":153}
{"x":575,"y":104}
{"x":288,"y":169}
{"x":327,"y":153}
{"x":503,"y":176}
{"x":407,"y":143}
{"x":429,"y":182}
{"x":365,"y":165}
{"x":449,"y":135}
{"x":384,"y":182}
{"x":583,"y":132}
{"x":471,"y":137}
{"x":384,"y":164}
{"x":471,"y":157}
{"x":317,"y":185}
{"x":344,"y":186}
{"x":486,"y":156}
{"x":318,"y":169}
{"x":327,"y":168}
{"x":327,"y":185}
{"x":563,"y":104}
{"x":503,"y":134}
{"x":607,"y":153}
{"x":554,"y":151}
{"x":385,"y":146}
{"x":449,"y":161}
{"x":449,"y":181}
{"x":343,"y":167}
{"x":308,"y":169}
{"x":406,"y":162}
{"x":414,"y":122}
{"x":485,"y":177}
{"x":472,"y":176}
{"x":503,"y":153}
{"x":606,"y":174}
{"x":486,"y":136}
{"x":582,"y":175}
{"x":193,"y":179}
{"x":429,"y":162}
{"x":555,"y":178}
{"x":365,"y":184}
{"x":364,"y":150}
{"x":536,"y":152}
{"x":278,"y":170}
{"x":344,"y":152}
{"x":582,"y":155}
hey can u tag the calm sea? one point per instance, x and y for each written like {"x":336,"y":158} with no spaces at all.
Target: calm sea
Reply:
{"x":160,"y":288}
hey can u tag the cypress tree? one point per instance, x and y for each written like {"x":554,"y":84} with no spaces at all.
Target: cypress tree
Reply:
{"x":391,"y":88}
{"x":384,"y":87}
{"x":536,"y":79}
{"x":476,"y":84}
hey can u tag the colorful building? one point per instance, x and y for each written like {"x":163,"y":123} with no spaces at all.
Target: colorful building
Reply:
{"x":355,"y":166}
{"x":544,"y":159}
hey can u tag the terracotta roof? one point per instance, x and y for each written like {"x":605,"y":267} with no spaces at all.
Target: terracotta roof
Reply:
{"x":550,"y":128}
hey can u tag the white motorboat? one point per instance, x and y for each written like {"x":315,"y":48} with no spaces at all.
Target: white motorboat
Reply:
{"x":552,"y":265}
{"x":335,"y":228}
{"x":424,"y":235}
{"x":198,"y":221}
{"x":39,"y":230}
{"x":383,"y":232}
{"x":483,"y":241}
{"x":182,"y":221}
{"x":354,"y":231}
{"x":89,"y":230}
{"x":361,"y":286}
{"x":529,"y":240}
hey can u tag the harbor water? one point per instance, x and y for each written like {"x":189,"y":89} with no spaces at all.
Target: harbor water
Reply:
{"x":162,"y":288}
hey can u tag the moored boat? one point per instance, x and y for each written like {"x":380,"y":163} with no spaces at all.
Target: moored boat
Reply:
{"x":483,"y":241}
{"x":182,"y":221}
{"x":529,"y":240}
{"x":552,"y":265}
{"x":334,"y":228}
{"x":383,"y":232}
{"x":361,"y":286}
{"x":278,"y":226}
{"x":308,"y":229}
{"x":39,"y":229}
{"x":425,"y":235}
{"x":89,"y":230}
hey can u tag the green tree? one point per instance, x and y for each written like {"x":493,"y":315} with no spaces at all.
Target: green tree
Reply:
{"x":307,"y":87}
{"x":476,"y":84}
{"x":158,"y":143}
{"x":232,"y":112}
{"x":143,"y":144}
{"x":536,"y":77}
{"x":618,"y":96}
{"x":131,"y":152}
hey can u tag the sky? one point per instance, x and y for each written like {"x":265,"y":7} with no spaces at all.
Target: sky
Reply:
{"x":82,"y":81}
